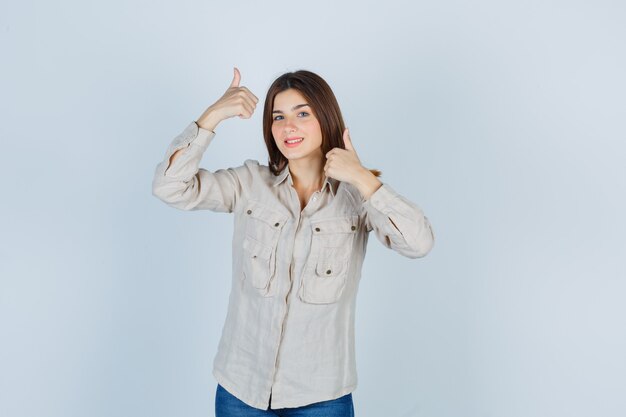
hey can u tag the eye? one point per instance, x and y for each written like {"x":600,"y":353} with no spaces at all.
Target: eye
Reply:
{"x":302,"y":112}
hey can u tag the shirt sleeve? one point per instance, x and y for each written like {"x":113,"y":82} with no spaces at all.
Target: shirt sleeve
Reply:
{"x":398,"y":223}
{"x":183,"y":185}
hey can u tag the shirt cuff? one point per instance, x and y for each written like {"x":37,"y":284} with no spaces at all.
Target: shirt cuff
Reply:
{"x":193,"y":134}
{"x":381,"y":198}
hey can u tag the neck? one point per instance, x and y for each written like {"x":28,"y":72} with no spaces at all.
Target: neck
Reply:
{"x":307,"y":174}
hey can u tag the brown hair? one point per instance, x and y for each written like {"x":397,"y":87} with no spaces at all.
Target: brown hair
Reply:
{"x":322,"y":101}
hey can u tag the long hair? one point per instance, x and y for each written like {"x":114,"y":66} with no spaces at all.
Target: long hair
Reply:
{"x":322,"y":101}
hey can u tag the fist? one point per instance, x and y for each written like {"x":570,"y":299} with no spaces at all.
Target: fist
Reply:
{"x":236,"y":101}
{"x":343,"y":164}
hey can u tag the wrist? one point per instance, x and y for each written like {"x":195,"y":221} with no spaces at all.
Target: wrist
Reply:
{"x":367,"y":183}
{"x":209,"y":120}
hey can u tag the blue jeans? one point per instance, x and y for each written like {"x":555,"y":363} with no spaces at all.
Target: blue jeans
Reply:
{"x":227,"y":405}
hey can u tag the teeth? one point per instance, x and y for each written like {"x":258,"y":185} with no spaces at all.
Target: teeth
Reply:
{"x":295,"y":140}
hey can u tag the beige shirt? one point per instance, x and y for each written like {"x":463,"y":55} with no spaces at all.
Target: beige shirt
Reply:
{"x":289,"y":328}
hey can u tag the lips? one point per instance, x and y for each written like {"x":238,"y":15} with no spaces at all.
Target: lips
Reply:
{"x":291,"y":145}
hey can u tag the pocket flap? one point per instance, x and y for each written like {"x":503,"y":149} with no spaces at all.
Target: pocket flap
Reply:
{"x":256,"y":249}
{"x":334,"y":225}
{"x":266,"y":214}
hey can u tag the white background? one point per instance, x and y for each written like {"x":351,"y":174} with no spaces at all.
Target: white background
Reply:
{"x":503,"y":121}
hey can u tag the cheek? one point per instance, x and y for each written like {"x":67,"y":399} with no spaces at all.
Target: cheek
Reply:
{"x":313,"y":129}
{"x":275,"y":133}
{"x":311,"y":124}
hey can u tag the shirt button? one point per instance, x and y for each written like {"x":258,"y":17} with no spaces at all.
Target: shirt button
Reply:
{"x":317,"y":229}
{"x":328,"y":271}
{"x":276,"y":224}
{"x":353,"y":227}
{"x":249,"y":212}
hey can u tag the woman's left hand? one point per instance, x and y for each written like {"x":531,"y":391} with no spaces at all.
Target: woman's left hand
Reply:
{"x":343,"y":164}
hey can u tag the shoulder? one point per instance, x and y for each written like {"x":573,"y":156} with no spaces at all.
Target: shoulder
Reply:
{"x":252,"y":163}
{"x":261,"y":170}
{"x":255,"y":167}
{"x":252,"y":171}
{"x":249,"y":166}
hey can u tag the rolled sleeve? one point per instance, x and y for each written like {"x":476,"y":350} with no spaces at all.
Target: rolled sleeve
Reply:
{"x":182,"y":184}
{"x":398,"y":223}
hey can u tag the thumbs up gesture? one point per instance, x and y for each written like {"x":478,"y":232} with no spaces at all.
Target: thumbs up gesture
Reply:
{"x":345,"y":165}
{"x":236,"y":101}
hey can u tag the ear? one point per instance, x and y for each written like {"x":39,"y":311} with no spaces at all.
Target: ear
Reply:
{"x":346,"y":140}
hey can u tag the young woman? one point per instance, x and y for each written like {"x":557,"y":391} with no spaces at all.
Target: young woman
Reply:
{"x":301,"y":225}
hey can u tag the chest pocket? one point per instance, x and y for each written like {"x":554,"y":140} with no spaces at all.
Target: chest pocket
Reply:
{"x":326,"y":273}
{"x":262,"y":233}
{"x":264,"y":222}
{"x":336,"y":232}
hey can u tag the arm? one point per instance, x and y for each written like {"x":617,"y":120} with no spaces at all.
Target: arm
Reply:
{"x":209,"y":125}
{"x":397,"y":222}
{"x":179,"y":182}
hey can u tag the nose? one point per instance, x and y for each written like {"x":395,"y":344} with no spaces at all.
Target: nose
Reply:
{"x":290,"y":127}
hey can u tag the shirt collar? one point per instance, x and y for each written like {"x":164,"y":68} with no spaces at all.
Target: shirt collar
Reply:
{"x":329,"y":182}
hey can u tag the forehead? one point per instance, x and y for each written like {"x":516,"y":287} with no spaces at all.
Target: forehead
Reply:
{"x":286,"y":99}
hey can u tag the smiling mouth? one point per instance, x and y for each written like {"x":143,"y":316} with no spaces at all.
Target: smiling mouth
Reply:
{"x":292,"y":141}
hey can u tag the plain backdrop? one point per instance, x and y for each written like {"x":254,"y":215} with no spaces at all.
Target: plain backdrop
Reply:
{"x":504,"y":121}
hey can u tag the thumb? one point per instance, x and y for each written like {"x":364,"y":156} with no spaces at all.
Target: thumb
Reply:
{"x":236,"y":78}
{"x":346,"y":140}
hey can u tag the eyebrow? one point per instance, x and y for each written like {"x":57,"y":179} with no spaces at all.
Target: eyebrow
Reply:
{"x":292,"y":109}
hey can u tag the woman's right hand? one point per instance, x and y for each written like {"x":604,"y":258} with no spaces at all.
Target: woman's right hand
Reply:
{"x":236,"y":101}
